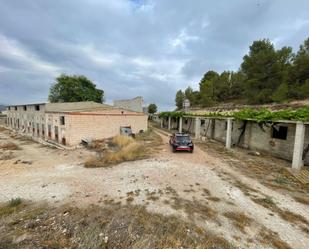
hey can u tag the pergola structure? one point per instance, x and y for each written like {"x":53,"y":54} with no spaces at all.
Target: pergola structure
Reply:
{"x":297,"y":160}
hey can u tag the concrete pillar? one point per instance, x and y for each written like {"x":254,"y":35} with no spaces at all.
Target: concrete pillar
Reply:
{"x":180,"y":125}
{"x":197,"y":127}
{"x":169,"y":123}
{"x":229,"y":134}
{"x":161,"y":122}
{"x":298,"y":162}
{"x":212,"y":128}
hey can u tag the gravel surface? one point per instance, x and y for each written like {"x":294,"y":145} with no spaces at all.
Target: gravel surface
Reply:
{"x":58,"y":177}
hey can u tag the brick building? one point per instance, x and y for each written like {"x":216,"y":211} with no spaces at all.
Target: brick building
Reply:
{"x":69,"y":123}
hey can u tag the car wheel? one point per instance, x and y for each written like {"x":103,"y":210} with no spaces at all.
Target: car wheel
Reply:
{"x":174,"y":149}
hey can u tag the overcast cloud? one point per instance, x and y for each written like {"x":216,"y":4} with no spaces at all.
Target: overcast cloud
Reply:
{"x":135,"y":47}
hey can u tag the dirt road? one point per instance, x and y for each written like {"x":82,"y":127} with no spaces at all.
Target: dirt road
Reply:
{"x":196,"y":187}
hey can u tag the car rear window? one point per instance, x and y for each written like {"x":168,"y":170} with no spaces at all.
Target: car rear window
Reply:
{"x":183,"y":138}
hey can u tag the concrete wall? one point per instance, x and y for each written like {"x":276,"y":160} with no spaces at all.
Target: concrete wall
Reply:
{"x":2,"y":119}
{"x":135,"y":104}
{"x":188,"y":125}
{"x":254,"y":137}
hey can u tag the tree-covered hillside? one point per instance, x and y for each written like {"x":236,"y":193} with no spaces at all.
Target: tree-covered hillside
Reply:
{"x":266,"y":75}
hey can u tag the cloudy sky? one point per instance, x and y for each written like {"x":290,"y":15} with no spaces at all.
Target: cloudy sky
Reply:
{"x":128,"y":48}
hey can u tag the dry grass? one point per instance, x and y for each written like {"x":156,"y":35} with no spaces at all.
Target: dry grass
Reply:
{"x":301,"y":200}
{"x":97,"y":145}
{"x":9,"y":146}
{"x":94,"y":162}
{"x":287,"y":215}
{"x":240,"y":220}
{"x":269,"y":171}
{"x":12,"y":206}
{"x":3,"y":129}
{"x":122,"y":141}
{"x":130,"y":152}
{"x":292,"y":217}
{"x":113,"y":226}
{"x":270,"y":238}
{"x":123,"y":148}
{"x":214,"y":199}
{"x":194,"y":208}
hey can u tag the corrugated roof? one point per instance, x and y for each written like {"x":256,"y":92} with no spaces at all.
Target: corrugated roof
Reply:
{"x":76,"y":106}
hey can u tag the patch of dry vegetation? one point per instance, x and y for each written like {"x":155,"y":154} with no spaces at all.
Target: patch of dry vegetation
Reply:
{"x":9,"y":146}
{"x":269,"y":171}
{"x":122,"y":148}
{"x":301,"y":200}
{"x":12,"y":206}
{"x":194,"y":208}
{"x":270,"y":238}
{"x":126,"y":149}
{"x":287,"y":215}
{"x":239,"y":220}
{"x":113,"y":226}
{"x":2,"y":129}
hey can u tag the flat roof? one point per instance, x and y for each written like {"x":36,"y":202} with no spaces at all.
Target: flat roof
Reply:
{"x":76,"y":106}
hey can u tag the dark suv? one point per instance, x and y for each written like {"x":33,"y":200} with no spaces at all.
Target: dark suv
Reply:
{"x":181,"y":142}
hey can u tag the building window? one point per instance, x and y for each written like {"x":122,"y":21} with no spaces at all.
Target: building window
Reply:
{"x":280,"y":132}
{"x":25,"y":108}
{"x":15,"y":108}
{"x":62,"y":120}
{"x":37,"y":107}
{"x":202,"y":121}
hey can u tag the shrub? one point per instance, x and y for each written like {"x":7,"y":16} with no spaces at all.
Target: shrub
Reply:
{"x":122,"y":141}
{"x":14,"y":202}
{"x":130,"y":152}
{"x":94,"y":162}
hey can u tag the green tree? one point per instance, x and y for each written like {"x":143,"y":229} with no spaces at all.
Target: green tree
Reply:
{"x":207,"y":88}
{"x":73,"y":89}
{"x":180,"y":96}
{"x":281,"y":93}
{"x":300,"y":73}
{"x":265,"y":69}
{"x":152,"y":108}
{"x":301,"y":63}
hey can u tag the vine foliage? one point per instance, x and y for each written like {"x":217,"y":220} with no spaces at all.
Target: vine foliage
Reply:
{"x":261,"y":115}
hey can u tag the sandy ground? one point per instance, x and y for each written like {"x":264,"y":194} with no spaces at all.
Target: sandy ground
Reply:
{"x":58,"y":176}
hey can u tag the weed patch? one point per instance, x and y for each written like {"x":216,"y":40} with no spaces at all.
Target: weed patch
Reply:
{"x":194,"y":208}
{"x":239,"y":220}
{"x":301,"y":200}
{"x":9,"y":146}
{"x":113,"y":226}
{"x":270,"y":238}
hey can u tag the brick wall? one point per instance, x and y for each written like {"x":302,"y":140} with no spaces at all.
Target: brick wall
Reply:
{"x":93,"y":126}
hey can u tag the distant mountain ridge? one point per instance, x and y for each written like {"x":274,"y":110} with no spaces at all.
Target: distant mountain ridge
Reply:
{"x":2,"y":107}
